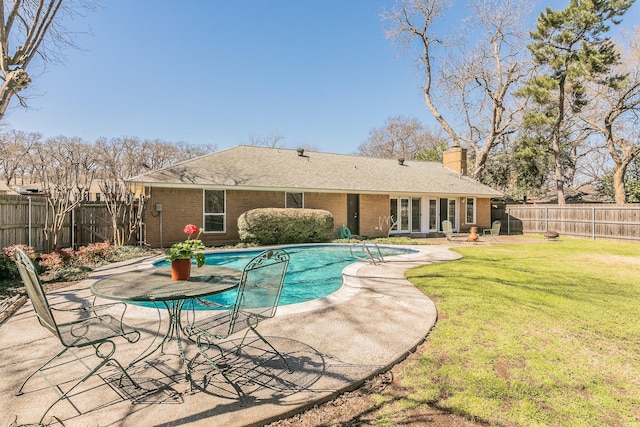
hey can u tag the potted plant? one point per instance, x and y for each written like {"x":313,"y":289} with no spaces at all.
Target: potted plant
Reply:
{"x":180,"y":253}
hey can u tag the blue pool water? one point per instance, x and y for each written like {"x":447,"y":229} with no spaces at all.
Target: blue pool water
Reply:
{"x":314,"y":271}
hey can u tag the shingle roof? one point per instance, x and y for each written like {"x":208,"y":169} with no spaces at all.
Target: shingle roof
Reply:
{"x":247,"y":167}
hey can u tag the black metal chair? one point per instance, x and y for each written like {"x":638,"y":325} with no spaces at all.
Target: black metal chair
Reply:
{"x":257,"y":300}
{"x":90,"y":328}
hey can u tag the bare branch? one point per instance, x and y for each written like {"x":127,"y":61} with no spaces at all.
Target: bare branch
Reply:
{"x":36,"y":27}
{"x":484,"y":62}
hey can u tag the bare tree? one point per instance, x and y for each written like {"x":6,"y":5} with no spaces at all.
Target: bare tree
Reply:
{"x":118,"y":159}
{"x":65,"y":167}
{"x":189,"y":151}
{"x":156,"y":154}
{"x":614,"y":112}
{"x":30,"y":28}
{"x":481,"y":71}
{"x":14,"y":153}
{"x":270,"y":141}
{"x":400,"y":137}
{"x":122,"y":158}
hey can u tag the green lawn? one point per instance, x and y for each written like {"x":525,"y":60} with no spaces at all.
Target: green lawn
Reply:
{"x":539,"y":334}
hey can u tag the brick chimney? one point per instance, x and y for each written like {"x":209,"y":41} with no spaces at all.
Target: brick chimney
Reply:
{"x":455,"y":158}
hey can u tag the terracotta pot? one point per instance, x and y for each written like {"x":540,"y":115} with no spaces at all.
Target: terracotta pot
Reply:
{"x":181,"y":269}
{"x":473,"y":237}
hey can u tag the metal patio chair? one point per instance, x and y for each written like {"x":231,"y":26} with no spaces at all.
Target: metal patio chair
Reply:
{"x":492,"y":232}
{"x":258,"y":295}
{"x":90,"y":328}
{"x":449,"y":233}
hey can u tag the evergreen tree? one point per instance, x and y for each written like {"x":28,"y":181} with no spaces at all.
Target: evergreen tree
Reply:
{"x":570,"y":47}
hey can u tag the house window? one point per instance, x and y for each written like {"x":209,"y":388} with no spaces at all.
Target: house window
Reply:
{"x":406,"y":213}
{"x":403,"y":215}
{"x":416,"y":214}
{"x":214,"y":211}
{"x":451,"y":215}
{"x":433,"y":214}
{"x":393,"y":213}
{"x":471,"y":211}
{"x":294,"y":200}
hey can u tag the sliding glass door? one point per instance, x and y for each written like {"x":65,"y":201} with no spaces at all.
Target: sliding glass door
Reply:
{"x":448,"y":211}
{"x":406,"y":212}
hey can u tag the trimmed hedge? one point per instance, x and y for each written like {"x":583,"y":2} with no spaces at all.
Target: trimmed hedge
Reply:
{"x":268,"y":226}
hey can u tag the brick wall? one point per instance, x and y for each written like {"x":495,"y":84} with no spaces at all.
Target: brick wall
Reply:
{"x":184,"y":206}
{"x":372,"y":208}
{"x":483,"y":213}
{"x":455,"y":158}
{"x":179,"y":208}
{"x":332,"y":202}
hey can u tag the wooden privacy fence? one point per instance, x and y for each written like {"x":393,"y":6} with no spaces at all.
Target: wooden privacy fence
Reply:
{"x":585,"y":220}
{"x":22,"y":222}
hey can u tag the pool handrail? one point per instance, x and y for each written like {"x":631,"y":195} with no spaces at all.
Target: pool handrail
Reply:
{"x":368,"y":256}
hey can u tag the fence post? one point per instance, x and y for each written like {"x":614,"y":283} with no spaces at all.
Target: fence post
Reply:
{"x":593,"y":223}
{"x":29,"y":225}
{"x":546,"y":218}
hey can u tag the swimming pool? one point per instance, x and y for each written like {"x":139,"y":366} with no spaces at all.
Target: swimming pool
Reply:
{"x":315,"y":271}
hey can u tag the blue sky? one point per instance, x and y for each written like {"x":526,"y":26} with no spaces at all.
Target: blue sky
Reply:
{"x":320,"y":73}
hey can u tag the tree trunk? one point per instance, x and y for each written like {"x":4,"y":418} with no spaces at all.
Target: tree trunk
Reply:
{"x":618,"y":185}
{"x":557,"y":156}
{"x":555,"y":142}
{"x":14,"y":82}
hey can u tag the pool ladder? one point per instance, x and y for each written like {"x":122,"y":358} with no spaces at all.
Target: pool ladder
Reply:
{"x":368,"y":252}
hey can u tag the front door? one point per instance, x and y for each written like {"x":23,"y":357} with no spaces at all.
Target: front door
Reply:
{"x":353,"y":213}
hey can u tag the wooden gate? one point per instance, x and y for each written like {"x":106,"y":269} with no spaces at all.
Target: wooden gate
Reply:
{"x":92,"y":224}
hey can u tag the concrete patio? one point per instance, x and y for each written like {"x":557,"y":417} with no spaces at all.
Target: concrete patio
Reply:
{"x":333,"y":345}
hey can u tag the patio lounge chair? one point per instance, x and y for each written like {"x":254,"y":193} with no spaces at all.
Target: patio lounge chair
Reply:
{"x":257,"y":300}
{"x":451,"y":235}
{"x":492,"y":232}
{"x":88,"y":329}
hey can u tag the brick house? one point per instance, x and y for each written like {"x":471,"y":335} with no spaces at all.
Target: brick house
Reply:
{"x":368,"y":195}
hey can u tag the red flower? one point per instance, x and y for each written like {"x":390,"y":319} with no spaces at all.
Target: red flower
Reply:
{"x":190,"y":229}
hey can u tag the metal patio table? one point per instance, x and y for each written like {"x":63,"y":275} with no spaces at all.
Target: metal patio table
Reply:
{"x":154,"y":285}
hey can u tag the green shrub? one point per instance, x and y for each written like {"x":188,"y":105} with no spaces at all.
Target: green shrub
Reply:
{"x":269,"y":226}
